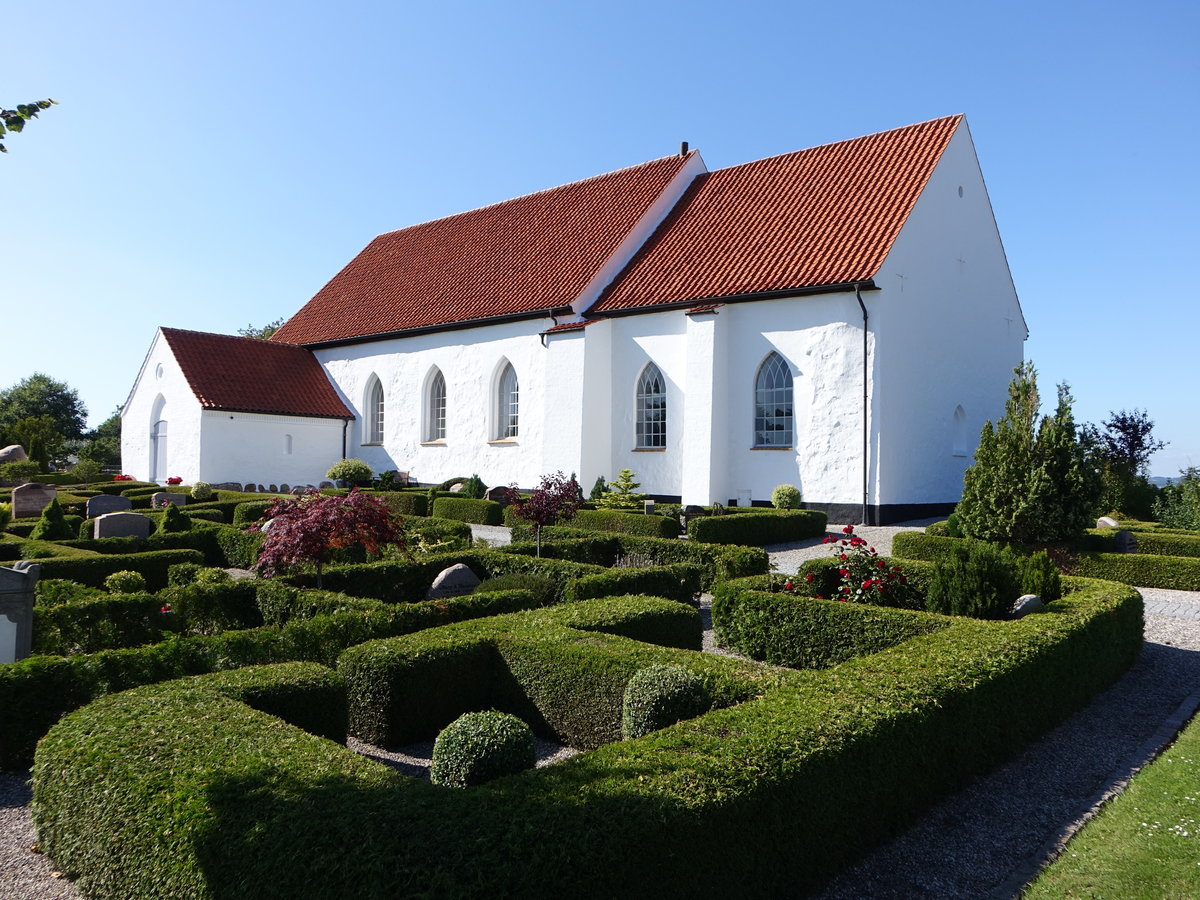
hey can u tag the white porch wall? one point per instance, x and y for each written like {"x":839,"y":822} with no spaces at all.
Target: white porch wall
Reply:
{"x":950,"y":330}
{"x":251,"y":448}
{"x":182,"y":412}
{"x":470,"y":361}
{"x":563,"y":413}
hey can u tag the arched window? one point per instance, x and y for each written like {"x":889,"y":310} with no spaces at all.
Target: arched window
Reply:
{"x":773,"y":418}
{"x":960,"y":432}
{"x":507,"y":404}
{"x":373,"y":424}
{"x":287,"y":445}
{"x":435,"y":420}
{"x":651,"y":422}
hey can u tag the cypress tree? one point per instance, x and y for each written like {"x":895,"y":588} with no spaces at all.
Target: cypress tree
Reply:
{"x":52,"y":526}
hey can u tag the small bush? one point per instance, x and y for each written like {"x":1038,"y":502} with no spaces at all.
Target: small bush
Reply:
{"x":474,"y":488}
{"x":202,"y":491}
{"x":449,"y":483}
{"x":20,"y":471}
{"x":543,"y":589}
{"x":181,"y":574}
{"x":785,"y":496}
{"x":757,"y":529}
{"x":478,"y":512}
{"x":173,"y":521}
{"x":980,"y":580}
{"x":352,"y":471}
{"x":479,"y":746}
{"x":84,"y":471}
{"x":125,"y":582}
{"x":209,"y":576}
{"x":53,"y":525}
{"x":1038,"y":575}
{"x":598,"y":489}
{"x":5,"y":515}
{"x":658,"y":696}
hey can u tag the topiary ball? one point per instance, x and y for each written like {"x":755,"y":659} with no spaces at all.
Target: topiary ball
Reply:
{"x":658,"y":696}
{"x":479,"y":746}
{"x":125,"y":582}
{"x":202,"y":490}
{"x":785,"y":496}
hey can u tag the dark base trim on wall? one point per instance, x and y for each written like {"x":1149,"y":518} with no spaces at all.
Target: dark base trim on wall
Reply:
{"x":880,"y":514}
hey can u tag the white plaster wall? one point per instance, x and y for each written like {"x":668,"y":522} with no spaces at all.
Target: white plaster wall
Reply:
{"x":252,"y":448}
{"x":182,"y":412}
{"x":562,"y":414}
{"x":470,"y":360}
{"x":949,"y":331}
{"x":596,"y":450}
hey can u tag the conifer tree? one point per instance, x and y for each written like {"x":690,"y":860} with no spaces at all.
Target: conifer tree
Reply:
{"x":52,"y":526}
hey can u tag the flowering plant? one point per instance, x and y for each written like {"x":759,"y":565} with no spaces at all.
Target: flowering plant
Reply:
{"x":865,"y":578}
{"x":122,"y":478}
{"x":174,"y":479}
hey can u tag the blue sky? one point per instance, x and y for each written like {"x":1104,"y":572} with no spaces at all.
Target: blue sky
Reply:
{"x":212,"y":165}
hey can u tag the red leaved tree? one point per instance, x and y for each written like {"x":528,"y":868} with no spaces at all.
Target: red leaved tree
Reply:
{"x":309,"y":527}
{"x":557,"y":497}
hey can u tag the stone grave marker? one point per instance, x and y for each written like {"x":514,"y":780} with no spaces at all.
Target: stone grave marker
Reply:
{"x":1026,"y":604}
{"x":456,"y":581}
{"x":121,"y":524}
{"x":1107,"y":522}
{"x":1126,"y":542}
{"x":456,"y":488}
{"x":16,"y":610}
{"x":106,"y":503}
{"x":499,"y":494}
{"x":156,"y":500}
{"x":30,"y":499}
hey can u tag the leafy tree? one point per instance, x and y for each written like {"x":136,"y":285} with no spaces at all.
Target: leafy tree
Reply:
{"x":14,"y":119}
{"x":1032,"y":480}
{"x":308,"y":528}
{"x":1122,"y":453}
{"x":41,"y":441}
{"x":263,"y":332}
{"x":1178,"y":504}
{"x":598,"y":488}
{"x":557,"y":497}
{"x":103,"y":445}
{"x":40,"y":395}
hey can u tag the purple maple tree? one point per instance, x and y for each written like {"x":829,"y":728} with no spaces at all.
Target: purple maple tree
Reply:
{"x":309,"y":527}
{"x":557,"y":497}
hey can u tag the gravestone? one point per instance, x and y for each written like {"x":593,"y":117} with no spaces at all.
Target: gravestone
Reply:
{"x":273,"y":489}
{"x":13,"y":453}
{"x":227,"y":486}
{"x":1107,"y":522}
{"x":456,"y":488}
{"x":285,"y":488}
{"x":16,"y":610}
{"x":30,"y":499}
{"x":106,"y":503}
{"x":499,"y":494}
{"x":1125,"y":541}
{"x":1026,"y":604}
{"x":121,"y":524}
{"x":157,"y":499}
{"x":250,"y":488}
{"x":456,"y":581}
{"x":648,"y":507}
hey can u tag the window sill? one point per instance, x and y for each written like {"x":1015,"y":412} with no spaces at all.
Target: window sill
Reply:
{"x":437,"y":443}
{"x":772,"y":448}
{"x":649,"y":450}
{"x":501,"y":442}
{"x":372,"y":443}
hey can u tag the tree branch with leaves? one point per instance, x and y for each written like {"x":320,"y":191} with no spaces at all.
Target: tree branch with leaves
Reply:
{"x":13,"y":120}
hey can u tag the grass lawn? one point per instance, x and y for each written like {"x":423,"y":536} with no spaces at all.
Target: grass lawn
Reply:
{"x":1143,"y":844}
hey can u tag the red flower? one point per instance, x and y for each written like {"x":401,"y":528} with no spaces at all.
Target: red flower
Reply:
{"x":880,"y":564}
{"x":842,"y":557}
{"x":849,"y":529}
{"x":843,"y":572}
{"x":866,"y":585}
{"x":808,"y":577}
{"x":903,"y":580}
{"x":787,"y":586}
{"x":166,"y":608}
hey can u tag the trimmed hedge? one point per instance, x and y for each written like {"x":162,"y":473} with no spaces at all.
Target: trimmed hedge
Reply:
{"x":679,"y":582}
{"x":757,"y":529}
{"x":92,"y":570}
{"x":35,"y":692}
{"x":171,"y":792}
{"x":603,"y":520}
{"x":1168,"y":544}
{"x":477,"y":512}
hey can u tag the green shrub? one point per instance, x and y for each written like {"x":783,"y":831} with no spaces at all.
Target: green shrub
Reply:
{"x":449,"y":483}
{"x":1037,"y":574}
{"x":474,"y":488}
{"x":85,"y":471}
{"x":624,"y":523}
{"x":239,"y":548}
{"x":758,"y":528}
{"x":463,"y":509}
{"x":250,"y":511}
{"x":406,"y":503}
{"x":679,"y":582}
{"x":352,"y":471}
{"x":183,"y":573}
{"x":659,"y":696}
{"x":785,"y":496}
{"x":209,"y":576}
{"x":598,"y":489}
{"x":20,"y":471}
{"x":980,"y":580}
{"x":621,"y":493}
{"x":480,"y":746}
{"x":125,"y":582}
{"x":542,"y":589}
{"x":173,"y":521}
{"x":92,"y":570}
{"x":5,"y":515}
{"x":201,"y":491}
{"x":1178,"y":504}
{"x":53,"y":525}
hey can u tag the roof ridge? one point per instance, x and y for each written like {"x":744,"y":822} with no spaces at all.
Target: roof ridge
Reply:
{"x":547,"y":190}
{"x":232,"y":337}
{"x":862,"y":137}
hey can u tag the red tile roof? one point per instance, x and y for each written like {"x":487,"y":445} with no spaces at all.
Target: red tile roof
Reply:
{"x":823,"y":216}
{"x":249,"y":375}
{"x":525,"y":255}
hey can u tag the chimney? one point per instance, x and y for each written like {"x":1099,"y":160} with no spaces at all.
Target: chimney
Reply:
{"x":683,"y":148}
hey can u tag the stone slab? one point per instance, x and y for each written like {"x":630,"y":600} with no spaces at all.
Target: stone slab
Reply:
{"x":156,"y":500}
{"x":13,"y":453}
{"x":30,"y":499}
{"x":107,"y":503}
{"x":456,"y":581}
{"x":121,"y":524}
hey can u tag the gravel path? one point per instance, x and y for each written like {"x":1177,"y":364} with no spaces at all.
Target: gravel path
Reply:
{"x":986,"y":841}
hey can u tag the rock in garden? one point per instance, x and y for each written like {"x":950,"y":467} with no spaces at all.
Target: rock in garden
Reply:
{"x":12,"y":453}
{"x":250,"y":488}
{"x":456,"y":581}
{"x":1107,"y":522}
{"x":107,"y":503}
{"x":456,"y":488}
{"x":1026,"y":604}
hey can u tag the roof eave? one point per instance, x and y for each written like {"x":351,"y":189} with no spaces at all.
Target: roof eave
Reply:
{"x":544,"y":313}
{"x":842,"y":287}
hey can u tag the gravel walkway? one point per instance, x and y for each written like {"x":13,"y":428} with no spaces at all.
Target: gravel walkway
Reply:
{"x":986,"y":841}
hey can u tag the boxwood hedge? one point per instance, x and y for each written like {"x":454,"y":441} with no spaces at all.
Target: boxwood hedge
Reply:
{"x":757,"y":529}
{"x":177,"y":790}
{"x":604,"y":520}
{"x":477,"y":512}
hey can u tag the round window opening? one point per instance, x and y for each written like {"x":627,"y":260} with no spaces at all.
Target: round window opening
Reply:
{"x":158,"y":372}
{"x":960,"y":190}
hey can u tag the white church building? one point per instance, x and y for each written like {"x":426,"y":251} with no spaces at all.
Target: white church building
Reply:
{"x":840,"y":318}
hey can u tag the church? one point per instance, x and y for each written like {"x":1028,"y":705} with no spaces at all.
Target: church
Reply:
{"x":840,"y":318}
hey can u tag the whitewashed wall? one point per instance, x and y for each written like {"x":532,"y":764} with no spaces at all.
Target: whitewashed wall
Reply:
{"x":948,"y":329}
{"x":265,"y":449}
{"x":161,"y":391}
